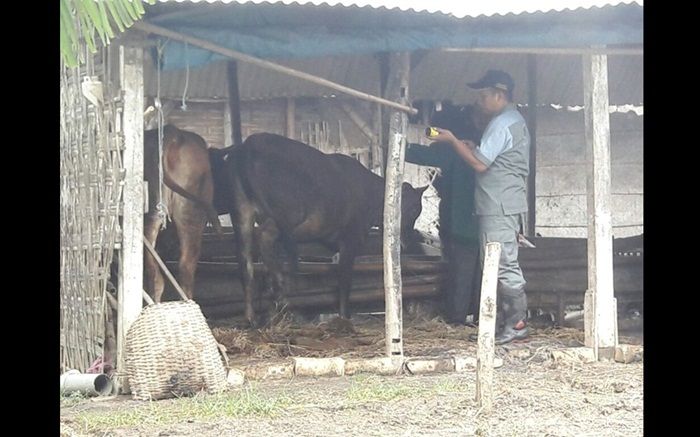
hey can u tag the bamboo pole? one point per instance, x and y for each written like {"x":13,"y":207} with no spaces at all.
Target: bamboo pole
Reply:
{"x":160,"y":262}
{"x":157,"y":30}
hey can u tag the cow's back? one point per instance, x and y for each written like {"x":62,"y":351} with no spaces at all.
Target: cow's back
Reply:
{"x":310,"y":195}
{"x":185,"y":165}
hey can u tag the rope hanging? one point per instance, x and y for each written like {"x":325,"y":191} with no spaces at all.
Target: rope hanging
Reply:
{"x":187,"y":78}
{"x":161,"y":207}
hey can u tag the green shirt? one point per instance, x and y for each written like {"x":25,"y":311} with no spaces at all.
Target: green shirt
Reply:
{"x":456,"y":188}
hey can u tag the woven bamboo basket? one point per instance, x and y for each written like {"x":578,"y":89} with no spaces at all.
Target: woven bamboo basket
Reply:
{"x":170,"y":351}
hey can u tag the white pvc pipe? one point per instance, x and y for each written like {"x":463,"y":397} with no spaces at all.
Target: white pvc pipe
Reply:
{"x":90,"y":384}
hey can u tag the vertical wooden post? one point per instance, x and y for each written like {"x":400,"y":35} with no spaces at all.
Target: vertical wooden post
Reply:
{"x":382,"y":115}
{"x":487,"y":328}
{"x":131,"y":272}
{"x":397,"y":90}
{"x":377,"y":154}
{"x":532,"y":126}
{"x":600,"y":317}
{"x":234,"y":102}
{"x":290,"y":117}
{"x":228,"y":132}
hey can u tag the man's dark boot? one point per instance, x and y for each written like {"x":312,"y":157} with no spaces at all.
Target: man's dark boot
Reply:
{"x":517,"y":332}
{"x":515,"y":312}
{"x":499,"y":326}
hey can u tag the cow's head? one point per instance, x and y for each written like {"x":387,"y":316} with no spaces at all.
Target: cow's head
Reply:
{"x":411,"y":207}
{"x":465,"y":122}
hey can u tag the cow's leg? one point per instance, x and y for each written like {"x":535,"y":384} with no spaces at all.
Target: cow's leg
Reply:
{"x":243,"y":218}
{"x":348,"y":252}
{"x":269,"y":236}
{"x":293,"y":257}
{"x":189,"y":223}
{"x":153,"y":277}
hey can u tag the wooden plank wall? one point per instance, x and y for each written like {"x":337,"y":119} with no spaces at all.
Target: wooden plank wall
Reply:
{"x":561,"y":174}
{"x":204,"y":118}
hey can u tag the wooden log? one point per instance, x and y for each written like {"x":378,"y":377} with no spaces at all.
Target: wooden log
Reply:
{"x":321,"y":268}
{"x":487,"y":328}
{"x":380,"y":366}
{"x":600,"y":319}
{"x":228,"y":307}
{"x":417,"y":366}
{"x":265,"y":371}
{"x":131,"y":259}
{"x":319,"y":366}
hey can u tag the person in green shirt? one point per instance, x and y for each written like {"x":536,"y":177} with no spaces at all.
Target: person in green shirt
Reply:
{"x":458,"y":226}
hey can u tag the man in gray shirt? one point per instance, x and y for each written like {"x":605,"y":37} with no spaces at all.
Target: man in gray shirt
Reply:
{"x":501,"y":163}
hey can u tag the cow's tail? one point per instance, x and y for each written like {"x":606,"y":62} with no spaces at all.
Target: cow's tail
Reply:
{"x":242,"y":160}
{"x":212,"y":215}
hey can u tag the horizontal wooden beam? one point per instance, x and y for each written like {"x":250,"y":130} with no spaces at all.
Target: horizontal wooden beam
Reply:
{"x":632,"y":51}
{"x":157,"y":30}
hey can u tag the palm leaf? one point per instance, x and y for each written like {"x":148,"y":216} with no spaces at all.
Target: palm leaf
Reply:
{"x":80,"y":19}
{"x":115,"y":16}
{"x":123,"y":15}
{"x":104,"y":20}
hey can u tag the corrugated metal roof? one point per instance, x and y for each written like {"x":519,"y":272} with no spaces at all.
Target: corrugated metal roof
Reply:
{"x":312,"y":40}
{"x":440,"y":75}
{"x":460,"y":9}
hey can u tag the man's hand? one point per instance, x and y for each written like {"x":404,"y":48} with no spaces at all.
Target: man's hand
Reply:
{"x":444,"y":135}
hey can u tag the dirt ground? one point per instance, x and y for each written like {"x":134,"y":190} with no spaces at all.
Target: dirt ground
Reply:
{"x":534,"y":395}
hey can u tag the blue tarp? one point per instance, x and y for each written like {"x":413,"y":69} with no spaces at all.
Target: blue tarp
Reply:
{"x":283,"y":32}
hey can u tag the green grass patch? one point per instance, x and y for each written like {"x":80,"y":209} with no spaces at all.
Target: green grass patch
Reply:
{"x":72,"y":399}
{"x":368,"y":388}
{"x":201,"y":408}
{"x":451,"y":385}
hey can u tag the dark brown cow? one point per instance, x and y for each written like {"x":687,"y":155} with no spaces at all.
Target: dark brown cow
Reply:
{"x":188,"y":192}
{"x":298,"y":194}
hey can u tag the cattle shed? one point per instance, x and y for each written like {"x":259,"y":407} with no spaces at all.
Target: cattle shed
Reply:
{"x":348,"y":78}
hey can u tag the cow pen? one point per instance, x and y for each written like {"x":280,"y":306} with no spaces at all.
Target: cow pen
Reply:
{"x":363,"y":87}
{"x":555,"y":269}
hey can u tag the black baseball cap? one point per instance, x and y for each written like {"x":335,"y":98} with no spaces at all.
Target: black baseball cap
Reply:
{"x":494,"y":79}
